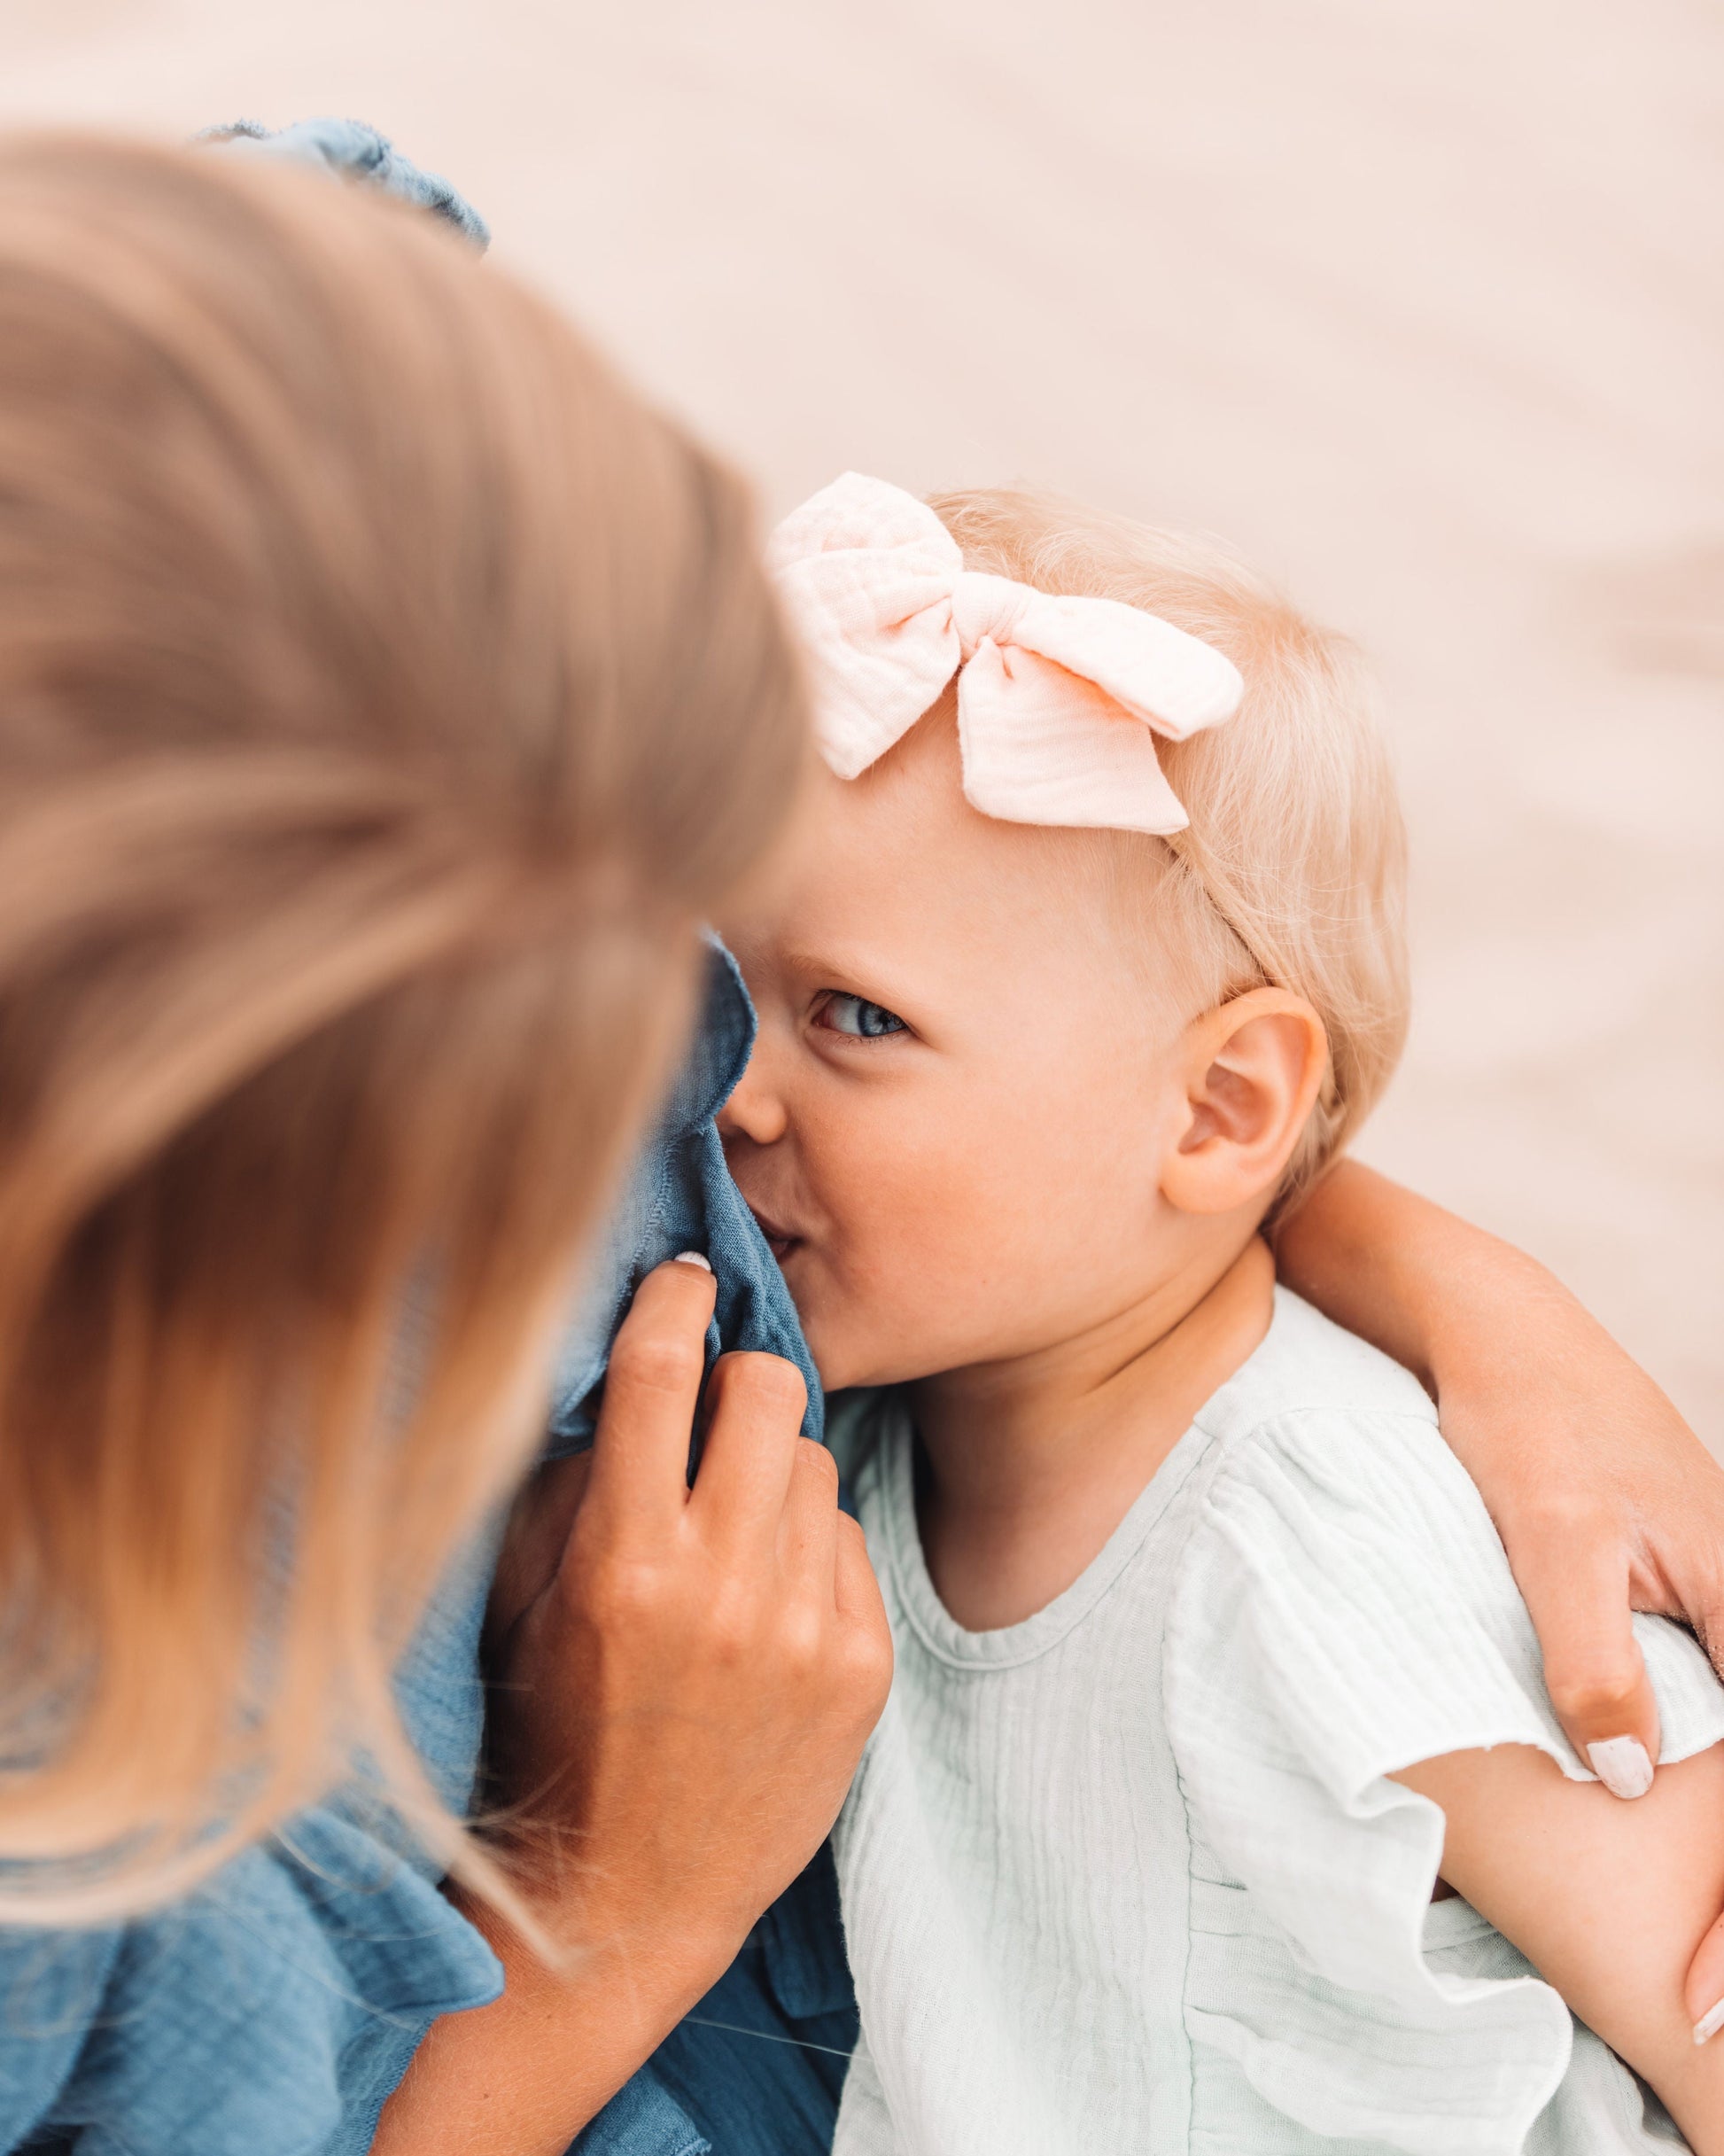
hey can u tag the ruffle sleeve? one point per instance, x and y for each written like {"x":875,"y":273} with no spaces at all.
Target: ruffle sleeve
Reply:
{"x":1343,"y":1609}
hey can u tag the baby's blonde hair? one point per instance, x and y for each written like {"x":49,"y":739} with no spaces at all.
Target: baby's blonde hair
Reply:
{"x":1292,"y":871}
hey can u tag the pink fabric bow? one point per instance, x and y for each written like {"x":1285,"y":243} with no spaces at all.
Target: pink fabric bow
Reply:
{"x":1057,"y":698}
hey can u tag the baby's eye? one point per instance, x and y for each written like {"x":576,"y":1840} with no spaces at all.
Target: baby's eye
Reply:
{"x":859,"y":1018}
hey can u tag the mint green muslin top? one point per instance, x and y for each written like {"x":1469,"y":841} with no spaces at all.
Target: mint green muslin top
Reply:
{"x":1129,"y":1876}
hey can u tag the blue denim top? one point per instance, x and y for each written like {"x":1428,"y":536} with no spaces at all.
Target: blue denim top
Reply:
{"x":272,"y":2012}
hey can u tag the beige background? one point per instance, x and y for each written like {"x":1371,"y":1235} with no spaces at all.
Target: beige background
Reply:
{"x":1417,"y":301}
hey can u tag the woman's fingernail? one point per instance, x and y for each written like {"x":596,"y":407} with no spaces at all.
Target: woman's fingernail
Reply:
{"x":1622,"y":1764}
{"x":1709,"y":2025}
{"x":694,"y":1257}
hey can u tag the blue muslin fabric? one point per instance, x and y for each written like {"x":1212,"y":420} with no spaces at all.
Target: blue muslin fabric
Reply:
{"x":350,"y":149}
{"x":272,"y":2012}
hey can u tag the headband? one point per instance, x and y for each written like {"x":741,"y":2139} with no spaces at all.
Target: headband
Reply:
{"x":1059,"y":699}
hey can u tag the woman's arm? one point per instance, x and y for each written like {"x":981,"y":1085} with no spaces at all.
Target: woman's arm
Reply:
{"x":687,"y":1678}
{"x":522,"y":2076}
{"x":1519,"y":1834}
{"x":1605,"y":1500}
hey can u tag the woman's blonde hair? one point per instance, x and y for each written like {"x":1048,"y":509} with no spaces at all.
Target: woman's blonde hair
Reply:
{"x":1292,"y":871}
{"x":383,"y":694}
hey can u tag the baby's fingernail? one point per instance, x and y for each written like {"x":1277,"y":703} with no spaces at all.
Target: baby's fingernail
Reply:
{"x":1709,"y":2025}
{"x":1622,"y":1764}
{"x":694,"y":1257}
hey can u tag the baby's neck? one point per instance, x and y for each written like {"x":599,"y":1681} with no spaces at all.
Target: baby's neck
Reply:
{"x":1034,"y":1463}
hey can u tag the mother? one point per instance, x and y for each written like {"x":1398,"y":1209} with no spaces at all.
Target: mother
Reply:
{"x":384,"y":697}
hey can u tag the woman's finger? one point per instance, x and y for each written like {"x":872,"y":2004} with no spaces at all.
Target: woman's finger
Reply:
{"x":537,"y":1534}
{"x":652,"y":1387}
{"x":757,"y":1404}
{"x":1704,"y":1990}
{"x":1686,"y":1556}
{"x":1694,"y":1573}
{"x":1573,"y":1573}
{"x":857,"y":1590}
{"x":808,"y":1527}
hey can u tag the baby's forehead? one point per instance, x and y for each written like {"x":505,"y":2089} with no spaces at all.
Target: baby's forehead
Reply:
{"x":910,"y":807}
{"x":900,"y":849}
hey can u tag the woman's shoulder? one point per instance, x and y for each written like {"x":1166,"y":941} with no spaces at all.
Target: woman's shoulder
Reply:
{"x":273,"y":2010}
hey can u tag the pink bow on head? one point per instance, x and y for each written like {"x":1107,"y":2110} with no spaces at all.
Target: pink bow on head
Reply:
{"x":1057,"y":698}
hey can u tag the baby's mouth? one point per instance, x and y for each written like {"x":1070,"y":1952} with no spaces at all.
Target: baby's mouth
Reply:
{"x":780,"y":1240}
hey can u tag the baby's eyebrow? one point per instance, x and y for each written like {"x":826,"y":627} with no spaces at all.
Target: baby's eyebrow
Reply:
{"x":831,"y":962}
{"x":857,"y":969}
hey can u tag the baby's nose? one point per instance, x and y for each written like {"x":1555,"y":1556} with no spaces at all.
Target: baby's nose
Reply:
{"x":755,"y":1113}
{"x":986,"y":609}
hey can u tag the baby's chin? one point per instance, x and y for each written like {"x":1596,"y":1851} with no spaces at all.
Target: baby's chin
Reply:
{"x":849,"y":1347}
{"x":835,"y":1360}
{"x":844,"y":1358}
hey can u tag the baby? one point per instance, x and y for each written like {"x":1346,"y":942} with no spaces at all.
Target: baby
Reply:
{"x":1215,"y":1692}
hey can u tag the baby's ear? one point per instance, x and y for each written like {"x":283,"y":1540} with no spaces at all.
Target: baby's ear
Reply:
{"x":1252,"y":1072}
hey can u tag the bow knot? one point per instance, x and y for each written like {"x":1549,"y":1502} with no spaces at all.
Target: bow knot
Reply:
{"x":986,"y":609}
{"x":1059,"y":699}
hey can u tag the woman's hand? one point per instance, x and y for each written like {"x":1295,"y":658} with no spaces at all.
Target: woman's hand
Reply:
{"x":686,"y":1680}
{"x":727,"y":1639}
{"x":1605,"y":1500}
{"x":1606,"y":1503}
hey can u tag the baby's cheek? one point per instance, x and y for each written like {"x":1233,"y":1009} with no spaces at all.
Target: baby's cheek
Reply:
{"x":939,"y":1206}
{"x":888,"y":1297}
{"x":955,"y":1267}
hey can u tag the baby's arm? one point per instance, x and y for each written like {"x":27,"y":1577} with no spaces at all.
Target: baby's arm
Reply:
{"x":1608,"y":1900}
